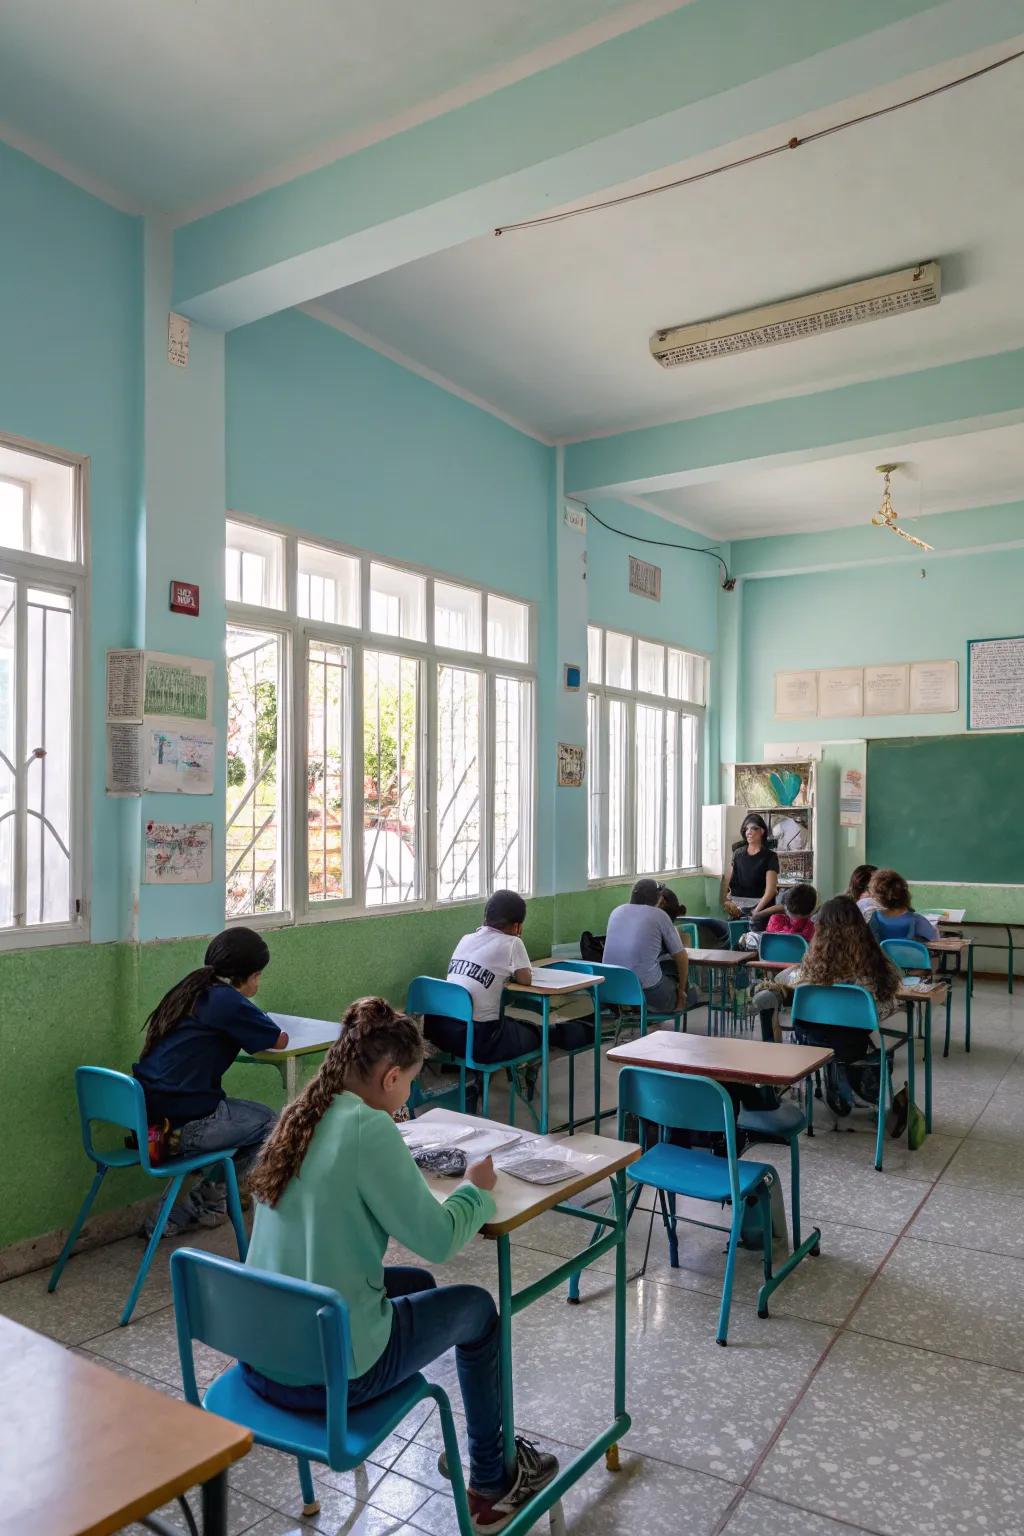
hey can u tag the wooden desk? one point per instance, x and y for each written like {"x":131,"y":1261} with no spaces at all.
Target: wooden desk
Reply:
{"x":720,"y":963}
{"x":518,"y":1202}
{"x":536,"y":989}
{"x":306,"y":1037}
{"x":960,"y":947}
{"x":84,"y":1452}
{"x":1007,"y":928}
{"x":722,"y":1057}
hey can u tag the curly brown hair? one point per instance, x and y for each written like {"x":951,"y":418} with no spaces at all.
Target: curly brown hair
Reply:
{"x":890,"y":890}
{"x":845,"y":950}
{"x":372,"y":1033}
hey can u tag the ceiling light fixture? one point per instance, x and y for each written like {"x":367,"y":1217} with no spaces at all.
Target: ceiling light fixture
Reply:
{"x":885,"y":517}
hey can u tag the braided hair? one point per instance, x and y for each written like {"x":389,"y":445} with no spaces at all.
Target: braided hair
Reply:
{"x":372,"y":1034}
{"x":233,"y":956}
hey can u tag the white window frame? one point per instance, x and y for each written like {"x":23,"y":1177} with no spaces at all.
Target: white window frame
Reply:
{"x":70,"y":577}
{"x":358,"y":639}
{"x":632,"y":697}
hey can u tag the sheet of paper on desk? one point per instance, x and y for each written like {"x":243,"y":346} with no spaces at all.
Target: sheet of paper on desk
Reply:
{"x":554,"y":981}
{"x":476,"y":1141}
{"x":545,"y":1164}
{"x":947,"y":915}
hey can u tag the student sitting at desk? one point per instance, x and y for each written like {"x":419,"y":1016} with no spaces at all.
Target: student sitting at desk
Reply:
{"x":483,"y":964}
{"x":358,"y":1188}
{"x":642,"y":938}
{"x":894,"y":917}
{"x":858,"y":888}
{"x":712,"y":932}
{"x":193,"y":1036}
{"x":798,"y":902}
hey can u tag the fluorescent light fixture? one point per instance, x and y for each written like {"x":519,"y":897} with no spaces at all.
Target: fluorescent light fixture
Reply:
{"x":812,"y":315}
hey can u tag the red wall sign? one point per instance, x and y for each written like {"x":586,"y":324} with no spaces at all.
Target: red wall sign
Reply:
{"x":185,"y":598}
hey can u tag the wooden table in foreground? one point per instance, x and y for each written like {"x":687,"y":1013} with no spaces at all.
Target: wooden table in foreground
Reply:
{"x":518,"y":1202}
{"x":729,"y":1060}
{"x":84,"y":1452}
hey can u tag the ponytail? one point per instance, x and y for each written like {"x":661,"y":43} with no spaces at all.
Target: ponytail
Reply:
{"x":233,"y":956}
{"x":372,"y":1033}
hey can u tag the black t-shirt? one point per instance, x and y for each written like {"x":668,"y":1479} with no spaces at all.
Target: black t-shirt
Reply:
{"x":749,"y":872}
{"x":181,"y":1075}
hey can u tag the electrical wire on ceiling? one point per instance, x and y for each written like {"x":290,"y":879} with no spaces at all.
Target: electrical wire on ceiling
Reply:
{"x":763,"y":154}
{"x":728,"y":582}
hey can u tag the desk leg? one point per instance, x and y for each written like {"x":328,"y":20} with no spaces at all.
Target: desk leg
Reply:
{"x":508,"y":1421}
{"x":811,"y":1243}
{"x":215,"y":1505}
{"x":911,"y":1060}
{"x":1009,"y":959}
{"x":545,"y":1062}
{"x":967,"y":1000}
{"x":928,"y":1066}
{"x":597,"y":1061}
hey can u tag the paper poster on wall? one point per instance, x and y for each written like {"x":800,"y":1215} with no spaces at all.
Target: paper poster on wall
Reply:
{"x":124,"y":758}
{"x":887,"y":689}
{"x":840,"y":692}
{"x":177,"y":761}
{"x":851,"y":798}
{"x":178,"y":854}
{"x":995,"y":684}
{"x":124,"y":685}
{"x":179,"y":687}
{"x":572,"y":763}
{"x":934,"y":687}
{"x":796,"y":695}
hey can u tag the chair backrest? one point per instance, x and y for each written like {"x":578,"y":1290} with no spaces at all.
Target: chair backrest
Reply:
{"x":847,"y":1006}
{"x":280,"y":1326}
{"x":621,"y":987}
{"x":908,"y":954}
{"x":116,"y":1099}
{"x":679,"y":1102}
{"x":427,"y":994}
{"x":738,"y":926}
{"x":783,"y":946}
{"x":689,"y":933}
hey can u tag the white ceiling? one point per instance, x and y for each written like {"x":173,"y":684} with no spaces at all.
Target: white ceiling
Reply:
{"x":174,"y":103}
{"x":551,"y":325}
{"x":979,"y":469}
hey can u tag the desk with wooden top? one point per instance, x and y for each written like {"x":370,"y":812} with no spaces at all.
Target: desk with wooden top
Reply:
{"x":543,"y":994}
{"x":945,"y":924}
{"x":720,"y":964}
{"x":306,"y":1037}
{"x":738,"y":1061}
{"x":84,"y":1452}
{"x":518,"y":1202}
{"x":961,"y":948}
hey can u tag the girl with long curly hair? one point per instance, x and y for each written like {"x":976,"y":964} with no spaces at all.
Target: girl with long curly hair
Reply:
{"x":334,"y":1183}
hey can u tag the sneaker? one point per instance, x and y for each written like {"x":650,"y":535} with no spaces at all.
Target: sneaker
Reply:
{"x":171,"y":1228}
{"x":533,"y":1471}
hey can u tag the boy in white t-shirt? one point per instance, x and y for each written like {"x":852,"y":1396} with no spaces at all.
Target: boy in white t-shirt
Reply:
{"x":484,"y":963}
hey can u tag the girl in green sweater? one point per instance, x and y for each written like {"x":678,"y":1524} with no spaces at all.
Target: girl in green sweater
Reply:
{"x":335,"y":1181}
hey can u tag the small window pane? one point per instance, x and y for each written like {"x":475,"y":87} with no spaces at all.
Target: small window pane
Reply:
{"x":327,"y":777}
{"x":593,"y":654}
{"x":390,"y":778}
{"x":513,"y":782}
{"x":650,"y":788}
{"x":508,"y":629}
{"x":594,"y":796}
{"x":618,"y":659}
{"x":8,"y":753}
{"x":650,"y":660}
{"x":50,"y":683}
{"x":618,"y":783}
{"x":687,"y":674}
{"x":398,"y":602}
{"x":37,"y":504}
{"x":673,"y":860}
{"x":459,"y":825}
{"x":254,"y":567}
{"x":255,"y":776}
{"x":458,"y":621}
{"x":689,"y":791}
{"x":328,"y":586}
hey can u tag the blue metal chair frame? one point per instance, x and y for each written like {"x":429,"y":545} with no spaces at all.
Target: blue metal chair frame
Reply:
{"x":114,"y":1098}
{"x":910,"y":955}
{"x":848,"y":1007}
{"x":428,"y":994}
{"x":286,"y":1327}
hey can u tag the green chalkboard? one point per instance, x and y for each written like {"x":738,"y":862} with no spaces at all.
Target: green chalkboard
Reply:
{"x":948,"y":808}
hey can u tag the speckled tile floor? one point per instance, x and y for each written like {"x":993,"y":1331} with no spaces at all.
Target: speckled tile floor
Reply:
{"x":884,"y":1395}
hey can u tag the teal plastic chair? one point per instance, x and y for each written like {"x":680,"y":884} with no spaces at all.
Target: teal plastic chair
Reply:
{"x":286,"y":1327}
{"x":673,"y":1101}
{"x":910,"y":955}
{"x":738,"y":926}
{"x":114,"y":1098}
{"x":428,"y":994}
{"x":689,"y":933}
{"x":789,"y":947}
{"x":848,"y":1007}
{"x":786,"y":1123}
{"x":622,"y":989}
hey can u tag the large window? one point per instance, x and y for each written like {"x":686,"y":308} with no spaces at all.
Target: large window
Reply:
{"x":645,"y":708}
{"x":42,"y":592}
{"x":381,"y":732}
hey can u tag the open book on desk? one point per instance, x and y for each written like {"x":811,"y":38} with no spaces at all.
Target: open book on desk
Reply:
{"x":552,"y":980}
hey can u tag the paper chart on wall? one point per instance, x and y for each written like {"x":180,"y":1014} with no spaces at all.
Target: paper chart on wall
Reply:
{"x":177,"y":761}
{"x":178,"y":854}
{"x":178,"y":687}
{"x":796,"y":695}
{"x":124,"y":758}
{"x":840,"y":692}
{"x":887,"y":689}
{"x":124,"y":685}
{"x":933,"y":687}
{"x":996,"y":685}
{"x":851,"y":798}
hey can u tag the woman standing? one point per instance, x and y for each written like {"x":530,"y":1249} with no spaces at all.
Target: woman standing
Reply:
{"x":751,"y":887}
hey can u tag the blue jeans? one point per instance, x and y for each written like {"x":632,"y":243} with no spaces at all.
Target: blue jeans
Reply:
{"x":240,"y":1123}
{"x":661,"y":998}
{"x":427,"y":1320}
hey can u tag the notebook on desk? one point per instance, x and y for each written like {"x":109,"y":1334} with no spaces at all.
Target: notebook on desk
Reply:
{"x":556,"y":981}
{"x":947,"y":915}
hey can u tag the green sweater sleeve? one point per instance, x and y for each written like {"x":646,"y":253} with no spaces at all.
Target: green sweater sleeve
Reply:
{"x":394,"y":1190}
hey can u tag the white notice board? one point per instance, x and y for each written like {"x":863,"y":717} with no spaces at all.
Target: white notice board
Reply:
{"x":995,"y":684}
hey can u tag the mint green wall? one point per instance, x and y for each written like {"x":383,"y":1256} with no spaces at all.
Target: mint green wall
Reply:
{"x":70,"y":378}
{"x":688,"y":612}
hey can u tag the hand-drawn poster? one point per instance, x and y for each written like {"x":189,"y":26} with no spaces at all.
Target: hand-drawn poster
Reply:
{"x":178,"y":854}
{"x":572,"y":764}
{"x":179,"y":762}
{"x":179,"y":687}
